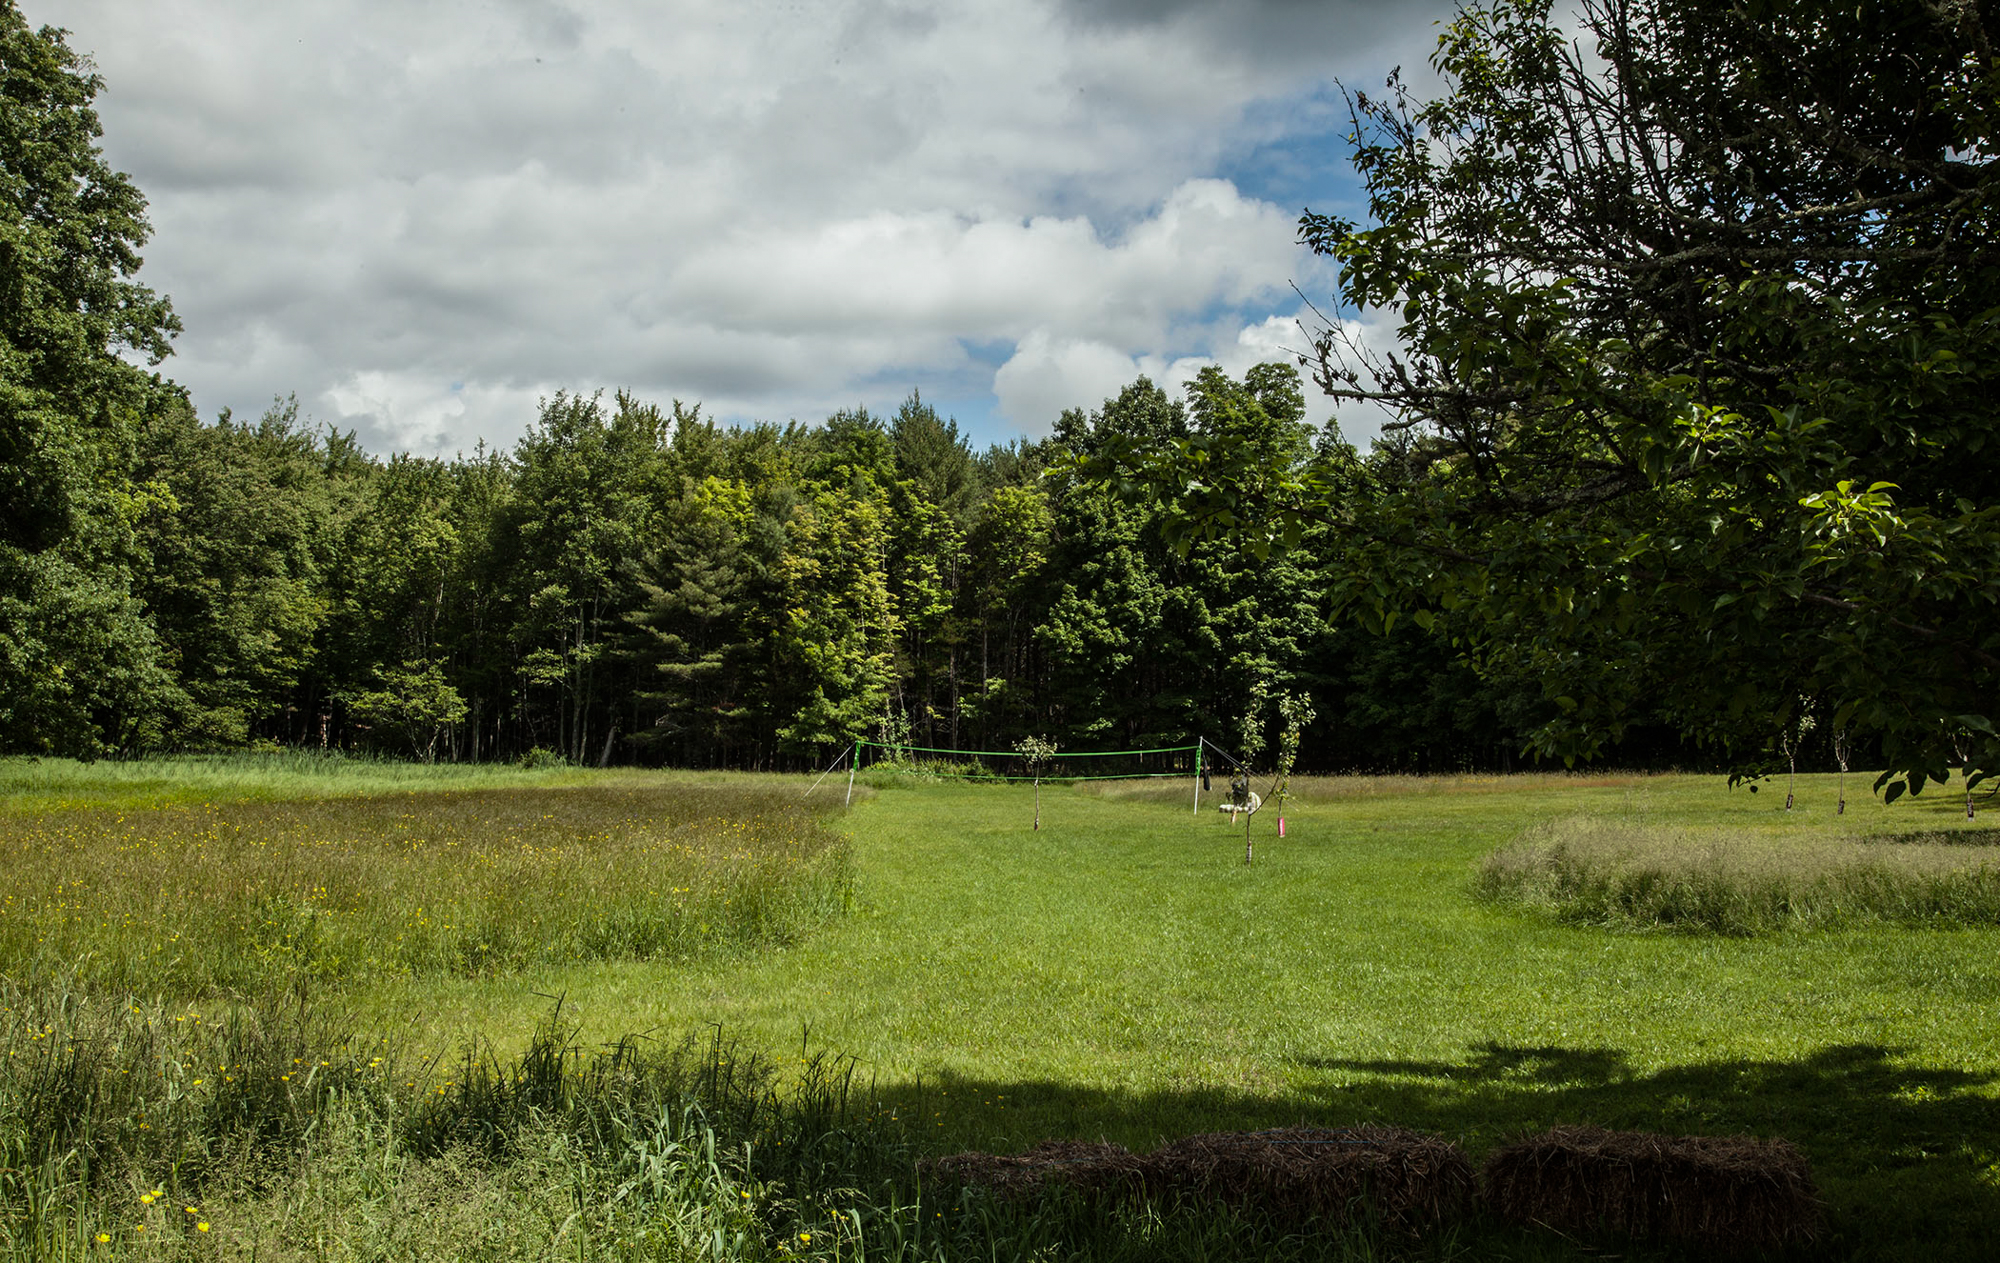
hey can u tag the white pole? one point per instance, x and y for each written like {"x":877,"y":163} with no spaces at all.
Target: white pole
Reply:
{"x":851,"y":764}
{"x":1197,"y":777}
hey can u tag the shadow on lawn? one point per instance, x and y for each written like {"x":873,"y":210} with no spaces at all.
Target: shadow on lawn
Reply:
{"x":1907,"y":1158}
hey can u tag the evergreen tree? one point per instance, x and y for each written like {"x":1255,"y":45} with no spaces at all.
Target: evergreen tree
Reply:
{"x":692,"y":631}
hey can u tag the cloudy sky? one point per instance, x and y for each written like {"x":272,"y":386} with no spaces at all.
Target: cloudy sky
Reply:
{"x":420,"y":218}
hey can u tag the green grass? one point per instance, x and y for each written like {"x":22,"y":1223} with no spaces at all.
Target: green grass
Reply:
{"x":1122,"y":974}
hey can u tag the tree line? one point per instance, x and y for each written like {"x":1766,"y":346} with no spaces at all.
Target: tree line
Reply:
{"x":632,"y":583}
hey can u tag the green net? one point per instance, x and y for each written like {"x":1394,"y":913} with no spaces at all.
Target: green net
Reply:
{"x":1012,"y":765}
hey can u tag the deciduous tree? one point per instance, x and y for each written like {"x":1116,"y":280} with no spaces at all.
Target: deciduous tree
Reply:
{"x":1697,"y":323}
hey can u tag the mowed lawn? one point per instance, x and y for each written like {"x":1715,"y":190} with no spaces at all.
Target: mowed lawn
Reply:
{"x":1122,"y":973}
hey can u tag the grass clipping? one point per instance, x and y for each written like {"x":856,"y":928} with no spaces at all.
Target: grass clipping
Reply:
{"x":1406,"y":1179}
{"x":1589,"y":871}
{"x":1727,"y":1193}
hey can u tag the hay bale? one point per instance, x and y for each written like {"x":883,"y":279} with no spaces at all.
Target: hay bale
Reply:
{"x":1320,"y":1174}
{"x":1729,"y":1193}
{"x":1088,"y":1166}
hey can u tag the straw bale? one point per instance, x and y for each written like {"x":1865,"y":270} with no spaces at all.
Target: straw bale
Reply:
{"x":1320,"y":1174}
{"x":1088,"y":1166}
{"x":1728,"y":1193}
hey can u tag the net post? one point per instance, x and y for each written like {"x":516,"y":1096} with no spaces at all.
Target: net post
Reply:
{"x":1197,"y":777}
{"x":851,"y":765}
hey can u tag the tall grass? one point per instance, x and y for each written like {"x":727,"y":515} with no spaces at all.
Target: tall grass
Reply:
{"x":1597,"y":871}
{"x":43,"y":784}
{"x":232,"y":896}
{"x":272,"y":1134}
{"x":270,"y":1131}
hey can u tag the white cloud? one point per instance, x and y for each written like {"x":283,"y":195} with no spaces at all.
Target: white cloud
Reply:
{"x":420,"y":217}
{"x":1047,"y":375}
{"x":998,"y":278}
{"x":408,"y":412}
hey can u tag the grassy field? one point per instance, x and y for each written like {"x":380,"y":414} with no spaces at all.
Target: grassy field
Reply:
{"x":231,"y":897}
{"x":1123,"y":974}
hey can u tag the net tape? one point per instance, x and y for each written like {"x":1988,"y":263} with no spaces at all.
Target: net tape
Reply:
{"x":1053,"y":773}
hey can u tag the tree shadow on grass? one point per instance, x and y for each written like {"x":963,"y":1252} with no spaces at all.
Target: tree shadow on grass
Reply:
{"x":1908,"y":1158}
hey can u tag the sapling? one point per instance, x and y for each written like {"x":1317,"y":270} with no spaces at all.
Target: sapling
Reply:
{"x":1961,"y":741}
{"x":1251,"y":729}
{"x":894,"y":728}
{"x":1296,"y":712}
{"x":1791,"y":737}
{"x":1840,"y":755}
{"x":1036,"y":752}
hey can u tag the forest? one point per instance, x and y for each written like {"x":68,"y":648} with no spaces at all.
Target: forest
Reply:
{"x":634,"y":583}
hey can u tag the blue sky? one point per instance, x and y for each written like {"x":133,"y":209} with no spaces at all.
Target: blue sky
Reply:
{"x":421,"y":219}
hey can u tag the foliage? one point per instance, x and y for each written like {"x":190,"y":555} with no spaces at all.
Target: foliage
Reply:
{"x":71,"y":229}
{"x":1696,"y":325}
{"x":414,"y":699}
{"x":1036,"y":752}
{"x":239,"y":533}
{"x":750,"y":597}
{"x":82,"y":669}
{"x":1695,"y":322}
{"x":1294,"y":713}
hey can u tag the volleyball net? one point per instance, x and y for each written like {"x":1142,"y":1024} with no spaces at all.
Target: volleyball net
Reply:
{"x":944,"y":763}
{"x":1196,"y":762}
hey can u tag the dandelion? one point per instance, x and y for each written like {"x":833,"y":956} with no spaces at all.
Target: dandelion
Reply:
{"x":202,"y":1226}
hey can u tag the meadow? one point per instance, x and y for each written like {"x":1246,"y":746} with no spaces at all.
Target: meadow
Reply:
{"x":971,"y":982}
{"x":231,"y":897}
